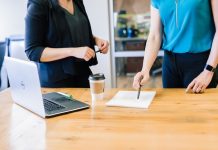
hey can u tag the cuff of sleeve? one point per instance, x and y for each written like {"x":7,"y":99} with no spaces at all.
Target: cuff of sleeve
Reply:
{"x":154,"y":5}
{"x":36,"y":54}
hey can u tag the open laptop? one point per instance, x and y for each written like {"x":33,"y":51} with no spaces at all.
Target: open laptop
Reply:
{"x":26,"y":91}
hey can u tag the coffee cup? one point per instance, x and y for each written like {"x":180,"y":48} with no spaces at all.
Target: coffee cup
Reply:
{"x":97,"y":85}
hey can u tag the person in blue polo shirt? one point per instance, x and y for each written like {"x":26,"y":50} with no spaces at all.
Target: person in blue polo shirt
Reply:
{"x":186,"y":31}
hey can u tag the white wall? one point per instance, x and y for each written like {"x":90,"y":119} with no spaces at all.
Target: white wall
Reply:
{"x":12,"y":13}
{"x":98,"y":12}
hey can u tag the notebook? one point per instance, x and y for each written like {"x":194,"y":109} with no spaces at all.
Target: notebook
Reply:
{"x":129,"y":99}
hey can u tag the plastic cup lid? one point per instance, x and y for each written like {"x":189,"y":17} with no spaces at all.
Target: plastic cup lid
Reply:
{"x":99,"y":76}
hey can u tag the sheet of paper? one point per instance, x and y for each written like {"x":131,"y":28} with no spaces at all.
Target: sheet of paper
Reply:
{"x":129,"y":99}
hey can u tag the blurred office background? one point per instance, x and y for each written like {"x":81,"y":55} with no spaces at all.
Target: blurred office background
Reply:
{"x":125,"y":23}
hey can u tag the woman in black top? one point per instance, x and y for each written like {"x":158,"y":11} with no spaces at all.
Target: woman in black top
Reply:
{"x":59,"y":39}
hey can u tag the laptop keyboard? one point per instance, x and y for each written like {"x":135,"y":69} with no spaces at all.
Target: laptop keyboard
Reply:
{"x":51,"y":106}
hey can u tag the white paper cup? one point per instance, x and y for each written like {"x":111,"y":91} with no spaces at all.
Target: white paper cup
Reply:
{"x":97,"y":85}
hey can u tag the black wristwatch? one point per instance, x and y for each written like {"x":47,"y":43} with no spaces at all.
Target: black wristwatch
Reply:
{"x":210,"y":68}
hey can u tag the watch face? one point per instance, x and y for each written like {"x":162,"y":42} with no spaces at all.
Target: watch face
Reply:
{"x":210,"y":68}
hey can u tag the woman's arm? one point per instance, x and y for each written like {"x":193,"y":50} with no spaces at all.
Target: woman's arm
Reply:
{"x":154,"y":40}
{"x":52,"y":54}
{"x":35,"y":29}
{"x":152,"y":48}
{"x":213,"y":58}
{"x":200,"y":83}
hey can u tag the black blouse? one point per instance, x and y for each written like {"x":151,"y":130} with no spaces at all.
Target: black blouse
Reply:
{"x":79,"y":27}
{"x":47,"y":26}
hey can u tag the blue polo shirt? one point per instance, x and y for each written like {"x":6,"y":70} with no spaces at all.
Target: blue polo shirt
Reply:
{"x":188,"y":25}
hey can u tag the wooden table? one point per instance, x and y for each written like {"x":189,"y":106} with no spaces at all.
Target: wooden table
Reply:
{"x":174,"y":121}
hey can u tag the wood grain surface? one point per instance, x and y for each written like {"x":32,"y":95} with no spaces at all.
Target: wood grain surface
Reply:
{"x":174,"y":121}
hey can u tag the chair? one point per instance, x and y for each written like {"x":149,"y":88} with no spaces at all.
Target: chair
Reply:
{"x":12,"y":47}
{"x":16,"y":47}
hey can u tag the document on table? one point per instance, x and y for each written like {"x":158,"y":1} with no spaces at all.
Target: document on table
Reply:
{"x":129,"y":99}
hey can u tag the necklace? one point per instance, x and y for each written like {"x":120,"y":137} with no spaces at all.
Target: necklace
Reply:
{"x":177,"y":22}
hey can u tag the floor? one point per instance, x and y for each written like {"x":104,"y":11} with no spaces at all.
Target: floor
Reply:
{"x":126,"y":82}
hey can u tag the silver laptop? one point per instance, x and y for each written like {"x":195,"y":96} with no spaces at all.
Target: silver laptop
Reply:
{"x":26,"y":91}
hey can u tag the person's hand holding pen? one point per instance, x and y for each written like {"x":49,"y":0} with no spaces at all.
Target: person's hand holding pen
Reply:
{"x":140,"y":79}
{"x":102,"y":45}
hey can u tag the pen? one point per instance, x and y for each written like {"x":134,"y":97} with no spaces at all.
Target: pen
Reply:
{"x":66,"y":95}
{"x":139,"y":90}
{"x":98,"y":51}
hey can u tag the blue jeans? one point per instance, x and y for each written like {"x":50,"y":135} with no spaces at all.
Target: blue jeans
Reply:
{"x":180,"y":69}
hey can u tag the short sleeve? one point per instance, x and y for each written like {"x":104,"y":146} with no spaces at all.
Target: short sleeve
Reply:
{"x":155,"y":4}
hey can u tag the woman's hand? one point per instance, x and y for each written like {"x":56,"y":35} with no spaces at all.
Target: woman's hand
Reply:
{"x":200,"y":83}
{"x":140,"y":79}
{"x":102,"y":45}
{"x":85,"y":53}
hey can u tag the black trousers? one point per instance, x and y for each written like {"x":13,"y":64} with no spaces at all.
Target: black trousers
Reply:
{"x":77,"y":81}
{"x":179,"y":70}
